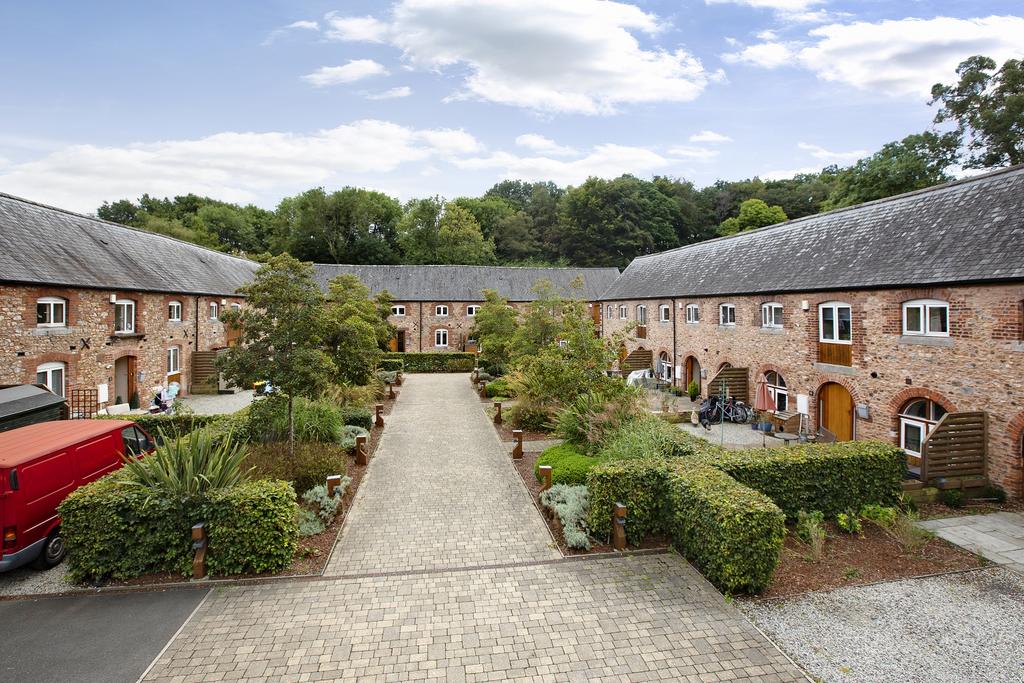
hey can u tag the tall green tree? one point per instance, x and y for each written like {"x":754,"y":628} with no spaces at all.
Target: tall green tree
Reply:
{"x":351,"y":225}
{"x":357,"y":328}
{"x":487,"y":211}
{"x":754,"y":213}
{"x":460,"y":239}
{"x":494,"y":326}
{"x":914,"y":163}
{"x":418,"y":230}
{"x":987,"y":107}
{"x":283,"y":328}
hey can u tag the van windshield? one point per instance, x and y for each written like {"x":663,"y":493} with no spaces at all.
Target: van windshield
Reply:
{"x":136,"y":442}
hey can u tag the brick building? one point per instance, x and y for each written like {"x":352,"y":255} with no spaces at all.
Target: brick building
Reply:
{"x":874,"y":321}
{"x":85,"y":303}
{"x":433,"y":306}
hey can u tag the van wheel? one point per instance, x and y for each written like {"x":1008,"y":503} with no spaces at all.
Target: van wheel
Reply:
{"x":53,"y":552}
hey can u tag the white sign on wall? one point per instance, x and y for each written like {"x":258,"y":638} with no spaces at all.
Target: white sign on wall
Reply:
{"x":803,"y":402}
{"x":101,"y":393}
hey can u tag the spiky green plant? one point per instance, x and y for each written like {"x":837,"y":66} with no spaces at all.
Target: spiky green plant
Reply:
{"x":188,"y":467}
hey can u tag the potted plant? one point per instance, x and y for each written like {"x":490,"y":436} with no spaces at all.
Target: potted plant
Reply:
{"x":693,"y":389}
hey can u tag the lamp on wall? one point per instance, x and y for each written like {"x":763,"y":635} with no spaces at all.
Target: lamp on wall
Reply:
{"x":223,"y":302}
{"x":805,"y":305}
{"x":113,"y":298}
{"x":863,"y":411}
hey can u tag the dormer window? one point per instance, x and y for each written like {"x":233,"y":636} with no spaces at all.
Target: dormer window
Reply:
{"x":51,"y":311}
{"x":926,"y":317}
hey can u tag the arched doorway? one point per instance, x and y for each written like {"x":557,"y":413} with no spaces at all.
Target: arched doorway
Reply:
{"x":693,"y":371}
{"x":835,"y":410}
{"x":124,"y":379}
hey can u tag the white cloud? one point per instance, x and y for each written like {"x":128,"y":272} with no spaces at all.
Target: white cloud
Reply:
{"x":783,"y":174}
{"x":543,"y":145}
{"x":391,"y":93}
{"x":295,"y":25}
{"x":693,"y":153}
{"x":364,"y":29}
{"x":579,"y":56}
{"x":605,"y":161}
{"x":766,"y":55}
{"x":778,"y":5}
{"x":819,"y":152}
{"x":238,"y":167}
{"x":709,"y":136}
{"x":354,"y":70}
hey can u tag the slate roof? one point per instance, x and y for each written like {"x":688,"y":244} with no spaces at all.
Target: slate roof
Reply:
{"x":45,"y":245}
{"x":466,"y":283}
{"x":969,"y":230}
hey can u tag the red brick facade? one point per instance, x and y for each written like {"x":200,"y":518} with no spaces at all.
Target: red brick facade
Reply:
{"x":421,"y":322}
{"x":979,"y":366}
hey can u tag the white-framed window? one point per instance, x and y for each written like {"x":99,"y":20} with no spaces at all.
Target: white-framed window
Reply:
{"x":927,"y":317}
{"x":608,"y":311}
{"x":692,"y":313}
{"x":727,"y":314}
{"x":174,"y":311}
{"x":917,"y":419}
{"x":472,"y":310}
{"x":173,"y":360}
{"x":771,"y":315}
{"x":641,"y":314}
{"x":835,"y":323}
{"x":51,"y":311}
{"x":777,"y":390}
{"x":124,"y":316}
{"x":214,"y":310}
{"x":563,"y":344}
{"x":664,"y":367}
{"x":441,"y":338}
{"x":664,"y":313}
{"x":441,"y":311}
{"x":236,"y":307}
{"x":623,"y":312}
{"x":52,"y":375}
{"x":398,"y":311}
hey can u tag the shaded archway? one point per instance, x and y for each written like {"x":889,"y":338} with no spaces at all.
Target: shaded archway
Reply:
{"x":692,"y":371}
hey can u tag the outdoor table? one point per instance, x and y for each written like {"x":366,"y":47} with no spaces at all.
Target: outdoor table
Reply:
{"x":786,"y":436}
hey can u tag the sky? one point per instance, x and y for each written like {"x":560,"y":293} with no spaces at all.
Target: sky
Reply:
{"x":253,"y":101}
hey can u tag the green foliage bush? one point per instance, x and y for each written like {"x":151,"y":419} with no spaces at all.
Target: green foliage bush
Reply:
{"x":315,"y":421}
{"x":953,"y":498}
{"x":171,"y":426}
{"x":348,"y":437}
{"x":646,"y":437}
{"x":114,"y":531}
{"x":391,"y":364}
{"x":805,"y":523}
{"x":435,"y":362}
{"x":357,"y":416}
{"x":732,"y":533}
{"x":849,"y":522}
{"x":568,"y":465}
{"x":693,"y":390}
{"x":570,"y":503}
{"x":882,"y":515}
{"x":310,"y":466}
{"x":994,"y":492}
{"x":188,"y":467}
{"x":530,"y":416}
{"x":499,"y":387}
{"x":640,"y":485}
{"x":589,"y":419}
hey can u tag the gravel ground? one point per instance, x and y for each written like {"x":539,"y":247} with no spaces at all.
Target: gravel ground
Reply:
{"x":953,"y":628}
{"x":27,"y":580}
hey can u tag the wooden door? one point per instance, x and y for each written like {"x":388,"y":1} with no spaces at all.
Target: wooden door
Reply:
{"x":835,"y":410}
{"x":132,"y":376}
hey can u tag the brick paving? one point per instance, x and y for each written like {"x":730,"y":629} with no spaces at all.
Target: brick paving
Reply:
{"x":445,"y":571}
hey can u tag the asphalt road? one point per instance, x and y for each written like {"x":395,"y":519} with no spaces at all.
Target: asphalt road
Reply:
{"x":101,"y":638}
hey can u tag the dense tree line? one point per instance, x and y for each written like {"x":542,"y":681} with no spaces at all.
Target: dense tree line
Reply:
{"x":602,"y":222}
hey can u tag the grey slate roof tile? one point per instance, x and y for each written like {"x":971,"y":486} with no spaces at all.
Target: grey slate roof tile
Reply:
{"x":46,"y":245}
{"x":466,"y":283}
{"x":966,"y":231}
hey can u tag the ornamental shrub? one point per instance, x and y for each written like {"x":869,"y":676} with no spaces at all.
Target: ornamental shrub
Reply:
{"x":588,"y":420}
{"x":568,"y":465}
{"x":849,"y":522}
{"x":251,"y":528}
{"x":434,"y":361}
{"x":732,"y":533}
{"x":570,"y":503}
{"x":881,"y":515}
{"x":391,"y":364}
{"x":530,"y":416}
{"x":324,"y":506}
{"x":499,"y":387}
{"x":357,"y":416}
{"x":348,"y":437}
{"x":171,"y":426}
{"x":639,"y":484}
{"x":315,"y":421}
{"x":645,"y":437}
{"x":309,"y":466}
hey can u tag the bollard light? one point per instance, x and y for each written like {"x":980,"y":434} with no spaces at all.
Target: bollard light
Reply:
{"x":517,"y":450}
{"x":545,"y":476}
{"x":391,"y":391}
{"x":379,"y":418}
{"x":497,"y":415}
{"x":199,"y":546}
{"x":333,"y":482}
{"x":619,"y":527}
{"x":361,"y":450}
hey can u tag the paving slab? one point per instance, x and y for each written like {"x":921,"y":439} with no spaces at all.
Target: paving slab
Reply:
{"x":998,"y":537}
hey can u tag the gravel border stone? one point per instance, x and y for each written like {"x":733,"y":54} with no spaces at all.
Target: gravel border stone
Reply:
{"x":30,"y":581}
{"x":940,"y":629}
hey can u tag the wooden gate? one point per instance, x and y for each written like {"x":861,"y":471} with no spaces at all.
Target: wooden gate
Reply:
{"x":957,"y":448}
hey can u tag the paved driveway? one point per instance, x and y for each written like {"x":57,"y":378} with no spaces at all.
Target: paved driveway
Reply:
{"x":101,"y":638}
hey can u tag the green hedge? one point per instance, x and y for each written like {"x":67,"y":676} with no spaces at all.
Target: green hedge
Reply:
{"x":117,"y":532}
{"x":831,"y":478}
{"x":499,"y":387}
{"x":357,"y":416}
{"x":568,"y":465}
{"x":732,"y":533}
{"x":172,"y":426}
{"x":435,"y":362}
{"x":391,"y":365}
{"x":638,"y":484}
{"x":308,"y":466}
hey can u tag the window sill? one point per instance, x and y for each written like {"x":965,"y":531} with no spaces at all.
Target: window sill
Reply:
{"x":923,"y":340}
{"x":55,"y":331}
{"x":175,"y":322}
{"x":836,"y":369}
{"x":1017,"y":346}
{"x":771,"y":330}
{"x":127,"y":335}
{"x":727,"y":326}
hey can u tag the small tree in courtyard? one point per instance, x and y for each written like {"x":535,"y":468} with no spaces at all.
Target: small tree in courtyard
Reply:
{"x":357,"y":328}
{"x":282,"y":334}
{"x":493,"y":327}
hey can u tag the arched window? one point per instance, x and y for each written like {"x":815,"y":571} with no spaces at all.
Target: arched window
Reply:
{"x":641,"y":315}
{"x":917,"y":419}
{"x":664,"y":367}
{"x":441,"y":338}
{"x":51,"y":311}
{"x":608,"y":311}
{"x":214,"y":310}
{"x":927,"y":317}
{"x":52,"y":375}
{"x":777,"y":390}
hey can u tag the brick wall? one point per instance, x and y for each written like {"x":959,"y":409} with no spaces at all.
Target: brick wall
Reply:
{"x":88,"y":345}
{"x":980,"y":366}
{"x":421,"y":321}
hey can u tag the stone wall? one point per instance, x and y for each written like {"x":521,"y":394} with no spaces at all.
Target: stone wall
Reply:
{"x":90,"y":348}
{"x":421,"y":321}
{"x":980,"y":366}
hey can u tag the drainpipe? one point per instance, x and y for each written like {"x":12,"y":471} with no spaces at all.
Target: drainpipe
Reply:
{"x":195,"y":347}
{"x":420,"y":333}
{"x":674,"y":354}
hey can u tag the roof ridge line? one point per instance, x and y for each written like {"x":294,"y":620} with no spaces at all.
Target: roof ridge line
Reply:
{"x":462,"y":265}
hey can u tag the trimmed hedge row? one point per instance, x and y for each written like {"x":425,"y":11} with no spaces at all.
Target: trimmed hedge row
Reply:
{"x":391,"y":365}
{"x":568,"y":465}
{"x":172,"y":426}
{"x":434,"y":362}
{"x":117,"y":532}
{"x":641,"y":485}
{"x":732,"y":533}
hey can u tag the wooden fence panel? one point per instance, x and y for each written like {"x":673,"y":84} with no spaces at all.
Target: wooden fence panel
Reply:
{"x":956,"y":447}
{"x":737,"y":383}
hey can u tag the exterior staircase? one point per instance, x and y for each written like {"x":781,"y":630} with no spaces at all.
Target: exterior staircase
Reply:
{"x":641,"y":359}
{"x":204,"y":375}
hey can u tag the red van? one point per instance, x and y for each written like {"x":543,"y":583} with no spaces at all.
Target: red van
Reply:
{"x":39,"y":466}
